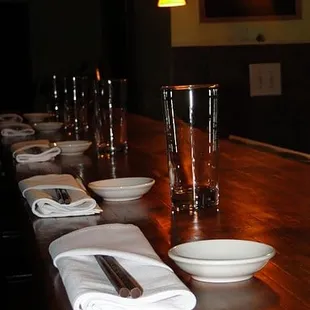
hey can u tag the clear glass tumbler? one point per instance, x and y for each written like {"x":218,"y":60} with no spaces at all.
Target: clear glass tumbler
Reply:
{"x":191,"y":118}
{"x":110,"y":123}
{"x":76,"y":101}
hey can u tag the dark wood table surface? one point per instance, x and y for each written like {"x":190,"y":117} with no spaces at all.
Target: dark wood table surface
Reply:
{"x":263,"y":197}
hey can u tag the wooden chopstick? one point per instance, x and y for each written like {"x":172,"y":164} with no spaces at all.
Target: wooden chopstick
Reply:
{"x":60,"y":198}
{"x":118,"y":284}
{"x":134,"y":288}
{"x":65,"y":196}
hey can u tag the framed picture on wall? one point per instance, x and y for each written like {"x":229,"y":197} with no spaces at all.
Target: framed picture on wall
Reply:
{"x":247,"y":10}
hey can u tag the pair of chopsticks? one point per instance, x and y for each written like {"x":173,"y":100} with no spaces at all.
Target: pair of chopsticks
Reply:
{"x":35,"y":150}
{"x":63,"y":196}
{"x":123,"y":282}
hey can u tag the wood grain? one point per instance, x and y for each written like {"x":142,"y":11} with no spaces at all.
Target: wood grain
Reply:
{"x":263,"y":197}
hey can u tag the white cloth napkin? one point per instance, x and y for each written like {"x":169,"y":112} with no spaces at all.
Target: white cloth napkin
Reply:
{"x":17,"y":130}
{"x":89,"y":289}
{"x":24,"y":144}
{"x":39,"y":191}
{"x":22,"y":151}
{"x":47,"y":154}
{"x":11,"y":117}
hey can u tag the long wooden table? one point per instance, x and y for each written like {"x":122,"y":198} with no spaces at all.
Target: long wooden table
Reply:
{"x":263,"y":197}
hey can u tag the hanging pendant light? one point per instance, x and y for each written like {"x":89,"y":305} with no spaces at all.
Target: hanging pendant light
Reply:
{"x":170,"y":3}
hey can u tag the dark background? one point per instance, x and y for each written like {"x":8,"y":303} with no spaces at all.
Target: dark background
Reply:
{"x":133,"y":39}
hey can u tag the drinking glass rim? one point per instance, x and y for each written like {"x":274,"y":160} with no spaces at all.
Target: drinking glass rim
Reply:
{"x":190,"y":86}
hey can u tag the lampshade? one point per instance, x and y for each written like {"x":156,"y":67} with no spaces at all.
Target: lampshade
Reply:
{"x":170,"y":3}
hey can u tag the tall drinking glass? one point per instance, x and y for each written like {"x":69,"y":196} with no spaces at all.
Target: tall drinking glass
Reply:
{"x":110,"y":124}
{"x":191,"y":118}
{"x":76,"y":103}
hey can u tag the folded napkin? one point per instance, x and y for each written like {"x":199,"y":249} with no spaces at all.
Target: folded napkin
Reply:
{"x":87,"y":286}
{"x":39,"y":191}
{"x":24,"y":144}
{"x":11,"y":117}
{"x":34,"y":151}
{"x":17,"y":130}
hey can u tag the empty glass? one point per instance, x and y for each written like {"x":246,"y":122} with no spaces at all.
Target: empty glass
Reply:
{"x":110,"y":124}
{"x":191,"y":117}
{"x":76,"y":101}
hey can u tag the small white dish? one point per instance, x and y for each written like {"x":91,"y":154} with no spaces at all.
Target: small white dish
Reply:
{"x":122,"y":189}
{"x":74,"y":147}
{"x":48,"y":126}
{"x":221,"y":260}
{"x":36,"y":117}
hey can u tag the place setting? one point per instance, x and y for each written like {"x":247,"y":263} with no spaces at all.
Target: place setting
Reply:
{"x":113,"y":265}
{"x":119,"y":275}
{"x":16,"y":129}
{"x":13,"y":130}
{"x":34,"y":151}
{"x":57,"y":195}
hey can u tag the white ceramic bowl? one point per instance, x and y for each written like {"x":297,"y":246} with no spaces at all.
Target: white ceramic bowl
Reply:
{"x":48,"y":126}
{"x":36,"y":117}
{"x":73,"y":148}
{"x":221,"y":260}
{"x":122,"y":189}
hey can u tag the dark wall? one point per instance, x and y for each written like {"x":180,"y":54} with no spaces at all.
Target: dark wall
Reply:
{"x":15,"y":60}
{"x":64,"y":35}
{"x":280,"y":120}
{"x":114,"y":59}
{"x":149,"y":41}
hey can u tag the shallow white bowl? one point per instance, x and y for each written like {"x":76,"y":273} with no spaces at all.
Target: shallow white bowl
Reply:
{"x":221,"y":260}
{"x":122,"y":189}
{"x":48,"y":126}
{"x":74,"y":147}
{"x":36,"y":117}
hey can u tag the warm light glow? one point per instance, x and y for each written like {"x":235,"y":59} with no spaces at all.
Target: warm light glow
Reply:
{"x":97,"y":74}
{"x":171,"y":3}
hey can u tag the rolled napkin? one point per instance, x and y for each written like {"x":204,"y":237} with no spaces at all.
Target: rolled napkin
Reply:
{"x":46,"y":154}
{"x":11,"y":117}
{"x":16,"y":130}
{"x":88,"y":287}
{"x":41,"y":196}
{"x":34,"y":151}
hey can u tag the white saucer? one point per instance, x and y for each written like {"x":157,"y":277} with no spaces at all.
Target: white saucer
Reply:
{"x":221,"y":260}
{"x":48,"y":126}
{"x":122,"y":189}
{"x":74,"y":147}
